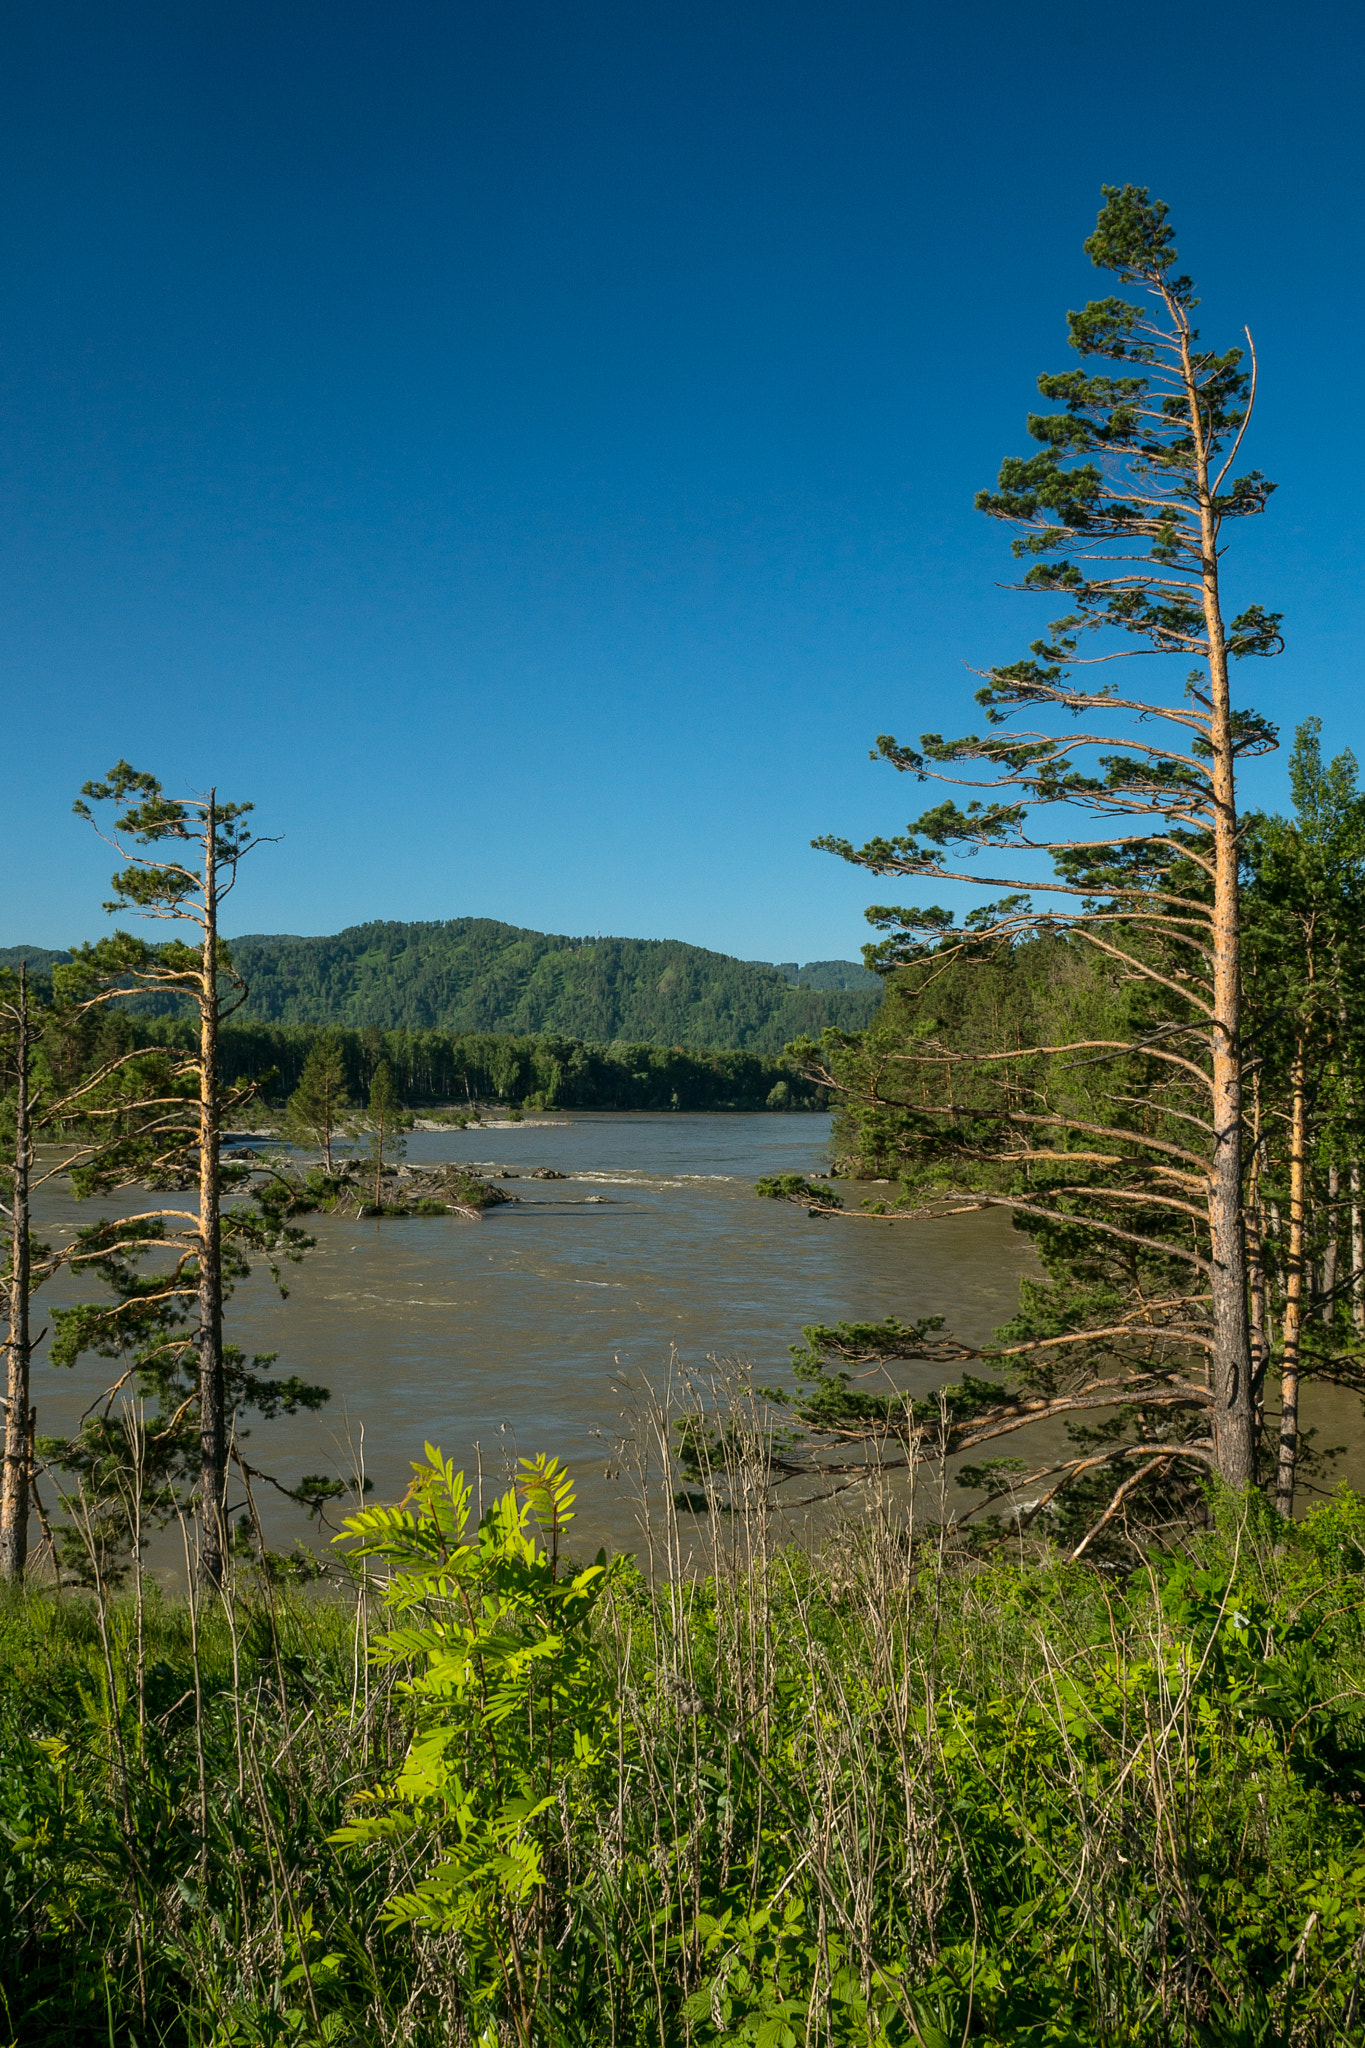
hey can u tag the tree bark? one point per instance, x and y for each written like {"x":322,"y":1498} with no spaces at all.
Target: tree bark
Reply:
{"x":1294,"y":1278}
{"x":1357,"y":1251}
{"x":1256,"y":1278}
{"x":1327,"y":1311}
{"x":212,"y":1418}
{"x":1234,"y":1422}
{"x":14,"y":1485}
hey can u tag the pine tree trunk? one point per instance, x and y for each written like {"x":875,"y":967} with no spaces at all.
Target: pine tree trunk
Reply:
{"x":1357,"y":1252}
{"x":14,"y":1484}
{"x":1234,"y":1422}
{"x":1256,"y":1279}
{"x":212,"y":1418}
{"x":1330,"y":1253}
{"x":1294,"y":1279}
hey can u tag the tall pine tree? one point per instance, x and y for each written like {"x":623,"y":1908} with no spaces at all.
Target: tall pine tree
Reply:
{"x":182,"y":858}
{"x":1130,"y":1136}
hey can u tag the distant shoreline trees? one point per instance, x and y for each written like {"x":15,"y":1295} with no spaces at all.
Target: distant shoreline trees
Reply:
{"x":543,"y":1071}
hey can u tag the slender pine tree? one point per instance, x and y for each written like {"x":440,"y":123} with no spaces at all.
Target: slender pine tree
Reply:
{"x":1125,"y":515}
{"x":383,"y":1125}
{"x":192,"y":850}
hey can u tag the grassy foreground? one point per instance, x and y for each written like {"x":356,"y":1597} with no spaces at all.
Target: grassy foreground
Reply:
{"x":877,"y":1795}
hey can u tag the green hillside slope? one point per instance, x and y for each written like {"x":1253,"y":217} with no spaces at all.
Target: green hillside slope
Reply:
{"x":39,"y":958}
{"x":474,"y":974}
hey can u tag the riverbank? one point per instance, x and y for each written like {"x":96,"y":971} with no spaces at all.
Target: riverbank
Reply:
{"x":872,"y":1794}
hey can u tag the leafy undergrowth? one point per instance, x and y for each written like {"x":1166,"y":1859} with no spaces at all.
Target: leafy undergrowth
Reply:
{"x":867,"y":1797}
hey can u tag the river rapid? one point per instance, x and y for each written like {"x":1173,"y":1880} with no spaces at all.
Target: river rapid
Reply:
{"x":516,"y":1333}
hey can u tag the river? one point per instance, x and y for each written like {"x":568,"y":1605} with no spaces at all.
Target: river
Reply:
{"x":514,"y":1334}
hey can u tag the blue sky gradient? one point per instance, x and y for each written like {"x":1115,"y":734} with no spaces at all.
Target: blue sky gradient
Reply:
{"x":530,"y":450}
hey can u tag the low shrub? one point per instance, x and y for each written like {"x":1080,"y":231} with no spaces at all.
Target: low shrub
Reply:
{"x":870,"y":1794}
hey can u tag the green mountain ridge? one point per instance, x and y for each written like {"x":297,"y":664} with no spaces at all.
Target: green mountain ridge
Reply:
{"x":474,"y":974}
{"x":40,"y":957}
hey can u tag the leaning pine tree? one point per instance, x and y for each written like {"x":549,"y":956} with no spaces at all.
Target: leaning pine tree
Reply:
{"x":1120,"y":1141}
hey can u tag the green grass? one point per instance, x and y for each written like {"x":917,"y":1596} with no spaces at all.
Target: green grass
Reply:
{"x":874,"y":1795}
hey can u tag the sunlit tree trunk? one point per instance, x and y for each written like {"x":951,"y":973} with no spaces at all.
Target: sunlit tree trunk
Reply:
{"x":1256,"y":1279}
{"x":1294,"y":1278}
{"x":14,"y":1487}
{"x":1130,"y":543}
{"x":1332,"y":1248}
{"x":1357,"y":1251}
{"x":212,"y":1420}
{"x":1234,"y":1421}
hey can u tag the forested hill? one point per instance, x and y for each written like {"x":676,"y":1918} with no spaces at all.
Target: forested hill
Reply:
{"x":40,"y":958}
{"x":474,"y":974}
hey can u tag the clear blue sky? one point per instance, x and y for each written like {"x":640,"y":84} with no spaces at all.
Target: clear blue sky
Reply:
{"x":529,"y":449}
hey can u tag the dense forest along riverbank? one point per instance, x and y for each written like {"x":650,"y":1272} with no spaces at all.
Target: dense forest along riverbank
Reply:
{"x":508,"y":1331}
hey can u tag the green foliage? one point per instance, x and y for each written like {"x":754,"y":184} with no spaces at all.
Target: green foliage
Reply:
{"x":462,"y":1186}
{"x":384,"y":1121}
{"x":870,"y":1796}
{"x":474,"y":975}
{"x":143,"y":1844}
{"x":316,"y":1110}
{"x":146,"y":1326}
{"x":943,"y":1098}
{"x":831,"y":974}
{"x":151,"y":818}
{"x":794,"y":1187}
{"x":1304,"y":887}
{"x":34,"y":957}
{"x":1024,"y":1069}
{"x":547,"y":1071}
{"x":1107,"y":1121}
{"x":512,"y":1714}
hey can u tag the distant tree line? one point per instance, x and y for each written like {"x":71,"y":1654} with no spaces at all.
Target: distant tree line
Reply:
{"x":539,"y":1072}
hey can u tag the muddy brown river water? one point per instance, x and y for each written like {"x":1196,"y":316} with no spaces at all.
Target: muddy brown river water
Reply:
{"x":512,"y":1334}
